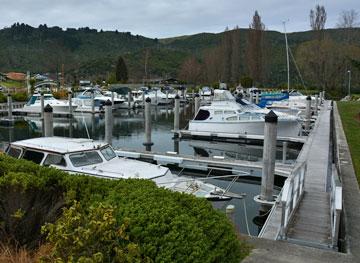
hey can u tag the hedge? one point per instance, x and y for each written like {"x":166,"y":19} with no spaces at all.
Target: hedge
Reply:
{"x":96,"y":220}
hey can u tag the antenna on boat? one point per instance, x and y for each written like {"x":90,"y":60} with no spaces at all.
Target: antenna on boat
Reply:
{"x":287,"y":56}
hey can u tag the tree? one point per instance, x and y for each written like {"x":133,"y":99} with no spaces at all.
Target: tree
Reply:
{"x":255,"y":50}
{"x":332,"y":58}
{"x":318,"y":18}
{"x":348,"y":19}
{"x":190,"y":70}
{"x":121,"y":72}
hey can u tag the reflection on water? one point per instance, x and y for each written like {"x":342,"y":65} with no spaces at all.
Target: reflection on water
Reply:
{"x":128,"y":133}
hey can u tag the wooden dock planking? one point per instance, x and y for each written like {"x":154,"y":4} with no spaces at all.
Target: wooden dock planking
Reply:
{"x":312,"y":223}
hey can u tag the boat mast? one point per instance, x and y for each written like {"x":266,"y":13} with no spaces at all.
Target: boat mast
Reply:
{"x":287,"y":58}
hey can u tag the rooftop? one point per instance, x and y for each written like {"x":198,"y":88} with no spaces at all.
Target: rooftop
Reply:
{"x":60,"y":144}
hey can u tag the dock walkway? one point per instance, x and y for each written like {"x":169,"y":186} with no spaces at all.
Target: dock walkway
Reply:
{"x":312,"y":221}
{"x":311,"y":224}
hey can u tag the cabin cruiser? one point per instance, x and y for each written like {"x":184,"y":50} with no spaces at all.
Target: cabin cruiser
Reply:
{"x":156,"y":96}
{"x":58,"y":106}
{"x":94,"y":158}
{"x":205,"y":91}
{"x":226,"y":115}
{"x":84,"y":100}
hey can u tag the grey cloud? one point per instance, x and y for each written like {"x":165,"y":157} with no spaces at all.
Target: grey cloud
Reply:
{"x":165,"y":18}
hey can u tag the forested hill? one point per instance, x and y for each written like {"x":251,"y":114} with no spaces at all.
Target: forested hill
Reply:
{"x":88,"y":52}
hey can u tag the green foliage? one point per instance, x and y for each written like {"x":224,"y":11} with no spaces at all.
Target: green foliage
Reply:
{"x":20,"y":96}
{"x":2,"y":98}
{"x":350,"y":117}
{"x":91,"y":235}
{"x":121,"y":72}
{"x":154,"y":223}
{"x":246,"y":82}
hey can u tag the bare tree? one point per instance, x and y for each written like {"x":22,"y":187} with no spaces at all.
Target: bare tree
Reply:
{"x":190,"y":71}
{"x":318,"y":18}
{"x":348,"y":19}
{"x":254,"y":49}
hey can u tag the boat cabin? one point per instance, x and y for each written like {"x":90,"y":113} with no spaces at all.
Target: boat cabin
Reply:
{"x":63,"y":153}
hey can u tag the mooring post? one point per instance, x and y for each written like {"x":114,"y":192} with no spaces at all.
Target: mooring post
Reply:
{"x":176,"y":114}
{"x":167,"y":97}
{"x":112,"y":99}
{"x":197,"y":104}
{"x":251,"y":99}
{"x":143,"y":99}
{"x":308,"y":113}
{"x":323,"y":95}
{"x":156,"y":97}
{"x":257,"y":97}
{"x":269,"y":154}
{"x":284,"y":151}
{"x":9,"y":104}
{"x":48,"y":121}
{"x":42,"y":104}
{"x":108,"y":121}
{"x":316,"y":104}
{"x":70,"y":104}
{"x":92,"y":102}
{"x":148,"y":143}
{"x":230,"y":213}
{"x":129,"y":100}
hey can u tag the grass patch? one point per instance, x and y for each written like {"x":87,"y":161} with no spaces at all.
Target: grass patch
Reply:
{"x":12,"y":84}
{"x":350,"y":117}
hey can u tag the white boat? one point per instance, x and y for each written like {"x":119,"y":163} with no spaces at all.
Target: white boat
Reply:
{"x":226,"y":115}
{"x":94,"y":158}
{"x":156,"y":96}
{"x":205,"y":91}
{"x":84,"y":100}
{"x":58,"y":106}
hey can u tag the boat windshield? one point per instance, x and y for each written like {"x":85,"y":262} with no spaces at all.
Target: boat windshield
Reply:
{"x":108,"y":153}
{"x":85,"y":158}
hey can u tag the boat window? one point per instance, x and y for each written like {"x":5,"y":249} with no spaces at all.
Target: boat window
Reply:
{"x":13,"y":152}
{"x":33,"y":156}
{"x":218,"y":112}
{"x":31,"y":101}
{"x":108,"y":153}
{"x":232,"y":118}
{"x":229,"y":112}
{"x":85,"y":158}
{"x":202,"y":115}
{"x":54,"y":159}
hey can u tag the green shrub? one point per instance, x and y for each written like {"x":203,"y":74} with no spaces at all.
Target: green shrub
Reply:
{"x":157,"y":224}
{"x":20,"y":96}
{"x":2,"y":98}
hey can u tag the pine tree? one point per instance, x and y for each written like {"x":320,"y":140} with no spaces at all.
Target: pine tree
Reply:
{"x":121,"y":71}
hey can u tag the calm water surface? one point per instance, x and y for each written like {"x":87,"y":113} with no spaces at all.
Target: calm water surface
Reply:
{"x":128,"y":133}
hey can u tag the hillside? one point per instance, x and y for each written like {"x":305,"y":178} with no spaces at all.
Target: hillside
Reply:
{"x":90,"y":53}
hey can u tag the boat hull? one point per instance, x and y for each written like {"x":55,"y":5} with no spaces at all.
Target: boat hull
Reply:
{"x":285,"y":128}
{"x":57,"y":109}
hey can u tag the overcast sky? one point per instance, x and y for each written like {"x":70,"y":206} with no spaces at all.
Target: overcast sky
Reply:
{"x":168,"y":18}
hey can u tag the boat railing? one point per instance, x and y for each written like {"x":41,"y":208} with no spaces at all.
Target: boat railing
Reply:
{"x":291,"y":195}
{"x":335,"y":205}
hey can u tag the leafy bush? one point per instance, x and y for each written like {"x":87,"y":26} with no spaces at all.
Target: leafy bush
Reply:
{"x":2,"y":98}
{"x":130,"y":219}
{"x":20,"y":96}
{"x":61,"y":94}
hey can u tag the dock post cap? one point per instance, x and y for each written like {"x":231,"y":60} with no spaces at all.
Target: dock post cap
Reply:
{"x":9,"y":95}
{"x":177,"y":97}
{"x":148,"y":100}
{"x":197,"y":95}
{"x":308,"y":98}
{"x":271,"y":117}
{"x":108,"y":103}
{"x":69,"y":92}
{"x":48,"y":108}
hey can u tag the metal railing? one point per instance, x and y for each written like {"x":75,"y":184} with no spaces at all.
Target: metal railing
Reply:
{"x":291,"y":195}
{"x":335,"y":205}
